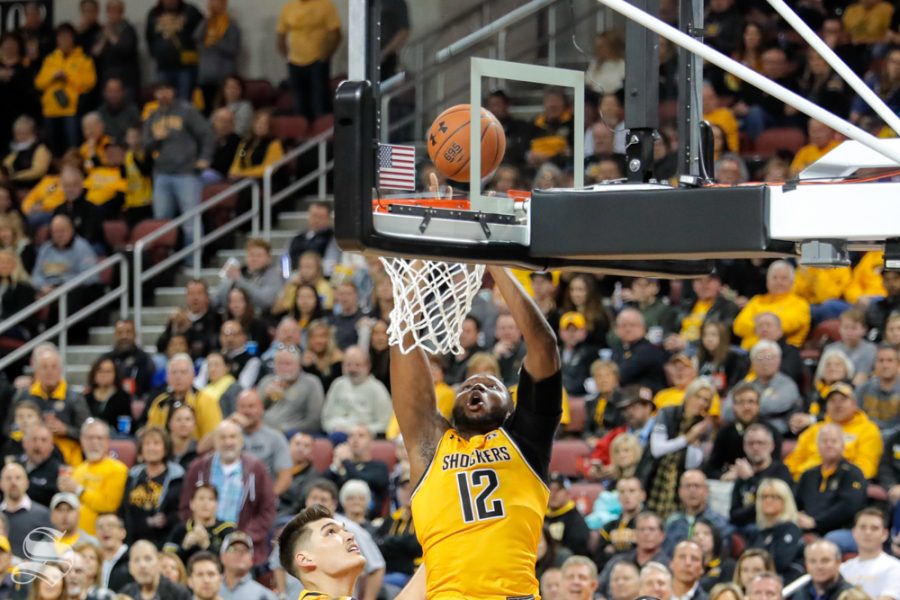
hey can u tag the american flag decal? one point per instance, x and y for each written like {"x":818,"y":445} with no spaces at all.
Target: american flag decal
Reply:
{"x":396,"y":167}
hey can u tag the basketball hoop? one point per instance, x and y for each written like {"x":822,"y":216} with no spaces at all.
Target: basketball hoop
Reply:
{"x":431,"y":300}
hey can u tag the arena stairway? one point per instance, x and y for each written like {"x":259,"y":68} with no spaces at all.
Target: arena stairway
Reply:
{"x":165,"y":300}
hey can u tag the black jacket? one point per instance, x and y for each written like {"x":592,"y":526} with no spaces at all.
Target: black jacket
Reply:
{"x":729,"y":446}
{"x":42,"y":479}
{"x":119,"y":577}
{"x":889,"y":468}
{"x":808,"y":591}
{"x":202,"y":335}
{"x":567,"y":527}
{"x":878,"y":314}
{"x":832,"y":501}
{"x":743,"y":495}
{"x":576,"y":367}
{"x":374,"y":473}
{"x":317,"y":242}
{"x":117,"y":405}
{"x":86,"y":217}
{"x":136,"y":366}
{"x":640,"y":363}
{"x":784,"y":543}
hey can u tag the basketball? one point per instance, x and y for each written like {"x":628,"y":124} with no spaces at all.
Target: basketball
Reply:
{"x":448,"y":142}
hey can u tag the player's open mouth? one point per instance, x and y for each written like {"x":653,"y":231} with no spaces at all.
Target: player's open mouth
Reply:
{"x":353,"y":548}
{"x":476,"y":401}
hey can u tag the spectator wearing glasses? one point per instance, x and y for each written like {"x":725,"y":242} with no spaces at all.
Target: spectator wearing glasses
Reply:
{"x":776,"y":528}
{"x":779,"y":395}
{"x":244,"y":365}
{"x":294,"y":399}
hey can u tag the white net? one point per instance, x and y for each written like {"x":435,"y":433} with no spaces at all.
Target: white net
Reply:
{"x":431,"y":300}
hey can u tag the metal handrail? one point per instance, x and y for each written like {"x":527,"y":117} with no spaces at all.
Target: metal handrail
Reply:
{"x":199,"y":240}
{"x":65,"y":320}
{"x":320,"y":143}
{"x":420,"y":80}
{"x":492,"y":28}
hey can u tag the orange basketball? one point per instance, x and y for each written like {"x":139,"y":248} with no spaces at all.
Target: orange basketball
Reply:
{"x":448,"y":142}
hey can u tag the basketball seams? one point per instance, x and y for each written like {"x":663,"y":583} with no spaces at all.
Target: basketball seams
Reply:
{"x":461,"y":148}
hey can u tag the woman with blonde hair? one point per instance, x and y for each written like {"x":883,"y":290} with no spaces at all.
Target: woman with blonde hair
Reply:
{"x":606,"y":71}
{"x":726,"y":591}
{"x":625,"y":452}
{"x":777,"y":530}
{"x":16,"y":293}
{"x":51,"y":585}
{"x":13,"y":237}
{"x":309,"y":271}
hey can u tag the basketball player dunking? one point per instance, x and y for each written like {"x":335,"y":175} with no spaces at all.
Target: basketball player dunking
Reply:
{"x":481,"y":495}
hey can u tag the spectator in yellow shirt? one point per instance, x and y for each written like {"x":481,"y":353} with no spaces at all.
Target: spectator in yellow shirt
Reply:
{"x":98,"y":482}
{"x":863,"y":445}
{"x":716,"y":114}
{"x":65,"y":75}
{"x":309,"y":32}
{"x":821,"y":142}
{"x":823,"y":288}
{"x":867,"y":283}
{"x":868,"y":21}
{"x":93,"y":150}
{"x":792,"y":310}
{"x":138,"y":170}
{"x":258,"y":150}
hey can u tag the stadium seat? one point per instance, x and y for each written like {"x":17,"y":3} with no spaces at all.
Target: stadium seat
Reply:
{"x":322,"y":124}
{"x":123,"y":450}
{"x":284,"y":102}
{"x":771,"y":141}
{"x":159,"y":248}
{"x":585,"y":494}
{"x":290,"y":128}
{"x":225,"y":210}
{"x":824,"y":333}
{"x":259,"y":92}
{"x":385,"y":451}
{"x":577,"y":415}
{"x":322,"y":452}
{"x":567,"y":456}
{"x":876,"y":492}
{"x":116,"y":234}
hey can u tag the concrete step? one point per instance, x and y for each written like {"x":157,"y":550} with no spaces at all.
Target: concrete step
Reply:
{"x":171,"y":297}
{"x":295,"y":221}
{"x":155,"y":315}
{"x":86,"y":355}
{"x":103,"y":336}
{"x":209,"y":275}
{"x":77,"y":374}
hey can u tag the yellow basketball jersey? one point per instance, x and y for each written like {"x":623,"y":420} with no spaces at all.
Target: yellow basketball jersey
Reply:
{"x":478,"y":513}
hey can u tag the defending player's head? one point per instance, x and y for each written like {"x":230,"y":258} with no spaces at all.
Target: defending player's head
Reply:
{"x":317,"y":550}
{"x":482,"y":404}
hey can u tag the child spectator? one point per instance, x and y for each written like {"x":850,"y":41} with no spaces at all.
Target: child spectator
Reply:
{"x":861,"y":351}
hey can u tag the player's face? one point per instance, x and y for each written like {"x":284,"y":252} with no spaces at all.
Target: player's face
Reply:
{"x":331,"y":550}
{"x":482,"y":404}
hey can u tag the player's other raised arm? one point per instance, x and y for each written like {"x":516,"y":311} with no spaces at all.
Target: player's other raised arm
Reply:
{"x":415,"y":406}
{"x":542,"y":356}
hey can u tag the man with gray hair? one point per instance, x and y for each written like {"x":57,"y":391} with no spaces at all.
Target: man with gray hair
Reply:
{"x":263,"y":442}
{"x":823,"y":562}
{"x":655,"y":581}
{"x":639,"y":361}
{"x":64,"y":410}
{"x":766,"y":586}
{"x":767,"y":326}
{"x":356,"y":397}
{"x":98,"y":482}
{"x":778,"y":394}
{"x":793,"y":310}
{"x":294,"y":398}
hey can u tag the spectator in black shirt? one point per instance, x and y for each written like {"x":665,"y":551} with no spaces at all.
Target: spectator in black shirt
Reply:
{"x":89,"y":29}
{"x":879,"y":311}
{"x":639,"y":361}
{"x":170,"y":38}
{"x":318,"y":237}
{"x":761,"y":110}
{"x":198,"y":322}
{"x":42,"y":463}
{"x":85,"y":216}
{"x":203,"y":531}
{"x":303,"y":472}
{"x":227,"y":142}
{"x":353,"y":460}
{"x":17,"y":95}
{"x":153,"y":489}
{"x":135,"y":367}
{"x":37,"y":33}
{"x":347,"y":315}
{"x":115,"y":51}
{"x":564,"y":521}
{"x":117,"y":111}
{"x":16,"y":293}
{"x":723,"y":25}
{"x":106,"y":397}
{"x":728,"y":446}
{"x":517,"y":132}
{"x":776,"y":529}
{"x":823,"y":561}
{"x":748,"y":473}
{"x":829,"y":495}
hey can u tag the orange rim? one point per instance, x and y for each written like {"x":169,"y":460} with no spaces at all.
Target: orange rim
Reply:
{"x":383,"y":205}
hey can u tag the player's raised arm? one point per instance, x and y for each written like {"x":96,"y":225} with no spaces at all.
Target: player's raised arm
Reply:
{"x":415,"y":406}
{"x":542,"y":357}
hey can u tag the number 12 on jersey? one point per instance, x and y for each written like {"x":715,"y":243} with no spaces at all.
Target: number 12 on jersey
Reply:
{"x":481,"y":507}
